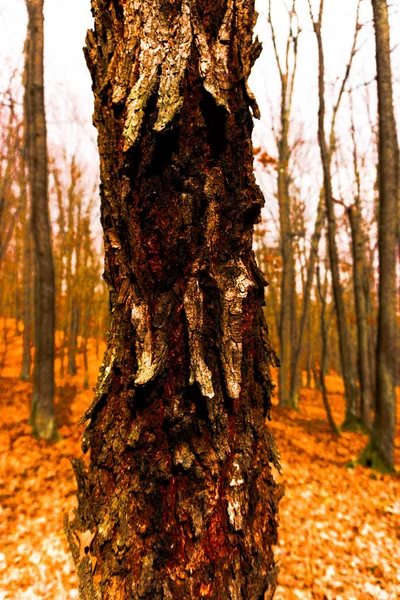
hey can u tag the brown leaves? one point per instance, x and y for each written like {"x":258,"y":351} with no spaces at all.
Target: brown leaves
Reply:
{"x":339,"y":529}
{"x":37,"y":488}
{"x":338,"y":536}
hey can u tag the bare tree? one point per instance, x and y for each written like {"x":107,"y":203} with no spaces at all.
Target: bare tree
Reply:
{"x":287,"y":322}
{"x":351,"y":419}
{"x":379,"y":453}
{"x":42,"y":410}
{"x":27,"y":312}
{"x":10,"y":204}
{"x":324,"y":323}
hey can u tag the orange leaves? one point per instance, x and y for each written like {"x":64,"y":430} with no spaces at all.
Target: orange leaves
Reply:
{"x":339,"y":529}
{"x":38,"y":487}
{"x":338,"y":533}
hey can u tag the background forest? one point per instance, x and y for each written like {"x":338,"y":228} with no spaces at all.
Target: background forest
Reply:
{"x":317,"y":160}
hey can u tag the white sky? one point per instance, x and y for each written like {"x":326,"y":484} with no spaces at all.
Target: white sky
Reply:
{"x":68,"y":86}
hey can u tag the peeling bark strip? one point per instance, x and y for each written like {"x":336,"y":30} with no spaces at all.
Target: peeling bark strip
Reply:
{"x":178,"y":501}
{"x":233,"y":282}
{"x":193,"y":303}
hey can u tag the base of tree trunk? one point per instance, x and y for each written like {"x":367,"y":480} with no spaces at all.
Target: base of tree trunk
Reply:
{"x":372,"y":458}
{"x":43,"y":425}
{"x":351,"y":423}
{"x":290,"y":404}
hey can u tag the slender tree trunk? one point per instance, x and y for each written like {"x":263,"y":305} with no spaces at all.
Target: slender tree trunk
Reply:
{"x":324,"y":353}
{"x":288,"y":290}
{"x":42,"y":413}
{"x":73,"y":337}
{"x":287,"y":285}
{"x":287,"y":322}
{"x":379,"y":453}
{"x":366,"y":386}
{"x":316,"y":369}
{"x":351,"y":419}
{"x":308,"y":360}
{"x":85,"y":361}
{"x":315,"y":238}
{"x":62,"y":356}
{"x":371,"y":318}
{"x":178,"y":501}
{"x":27,"y":306}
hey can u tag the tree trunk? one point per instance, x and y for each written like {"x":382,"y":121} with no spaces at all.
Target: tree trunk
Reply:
{"x":286,"y":312}
{"x":42,"y":412}
{"x":366,"y":385}
{"x":315,"y":238}
{"x":73,"y":337}
{"x":25,"y":374}
{"x":288,"y":289}
{"x":178,"y":501}
{"x":324,"y":353}
{"x":351,"y":418}
{"x":379,"y":453}
{"x":85,"y":363}
{"x":308,"y":359}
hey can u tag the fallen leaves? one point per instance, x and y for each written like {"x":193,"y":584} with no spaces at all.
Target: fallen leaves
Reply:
{"x":339,"y":528}
{"x":338,"y":534}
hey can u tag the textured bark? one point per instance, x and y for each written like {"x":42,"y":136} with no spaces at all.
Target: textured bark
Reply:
{"x":178,"y":501}
{"x":380,"y":452}
{"x":42,"y":413}
{"x":351,"y":418}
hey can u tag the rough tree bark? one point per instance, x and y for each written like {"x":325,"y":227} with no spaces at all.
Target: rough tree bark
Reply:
{"x":42,"y":410}
{"x":379,"y":453}
{"x":178,"y":501}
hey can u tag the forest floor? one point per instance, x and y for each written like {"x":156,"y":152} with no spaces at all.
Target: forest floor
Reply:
{"x":339,"y":527}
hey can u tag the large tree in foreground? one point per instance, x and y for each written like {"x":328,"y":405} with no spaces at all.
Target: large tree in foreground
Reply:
{"x":380,"y":451}
{"x":178,"y":501}
{"x":42,"y":410}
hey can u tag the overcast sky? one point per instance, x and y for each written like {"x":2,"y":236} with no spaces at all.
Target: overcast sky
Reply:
{"x":68,"y":86}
